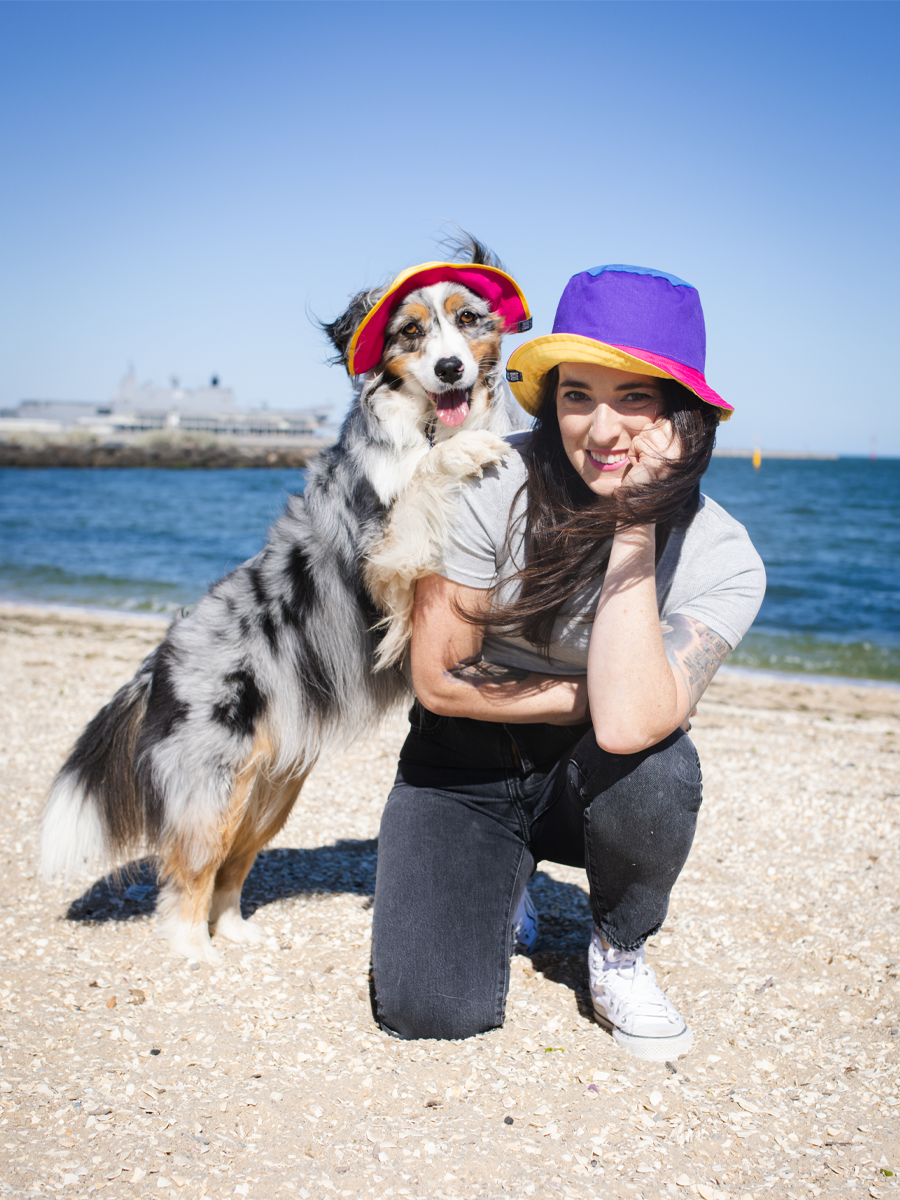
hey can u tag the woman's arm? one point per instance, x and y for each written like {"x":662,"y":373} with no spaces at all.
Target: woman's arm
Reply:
{"x":644,"y":678}
{"x":451,"y":678}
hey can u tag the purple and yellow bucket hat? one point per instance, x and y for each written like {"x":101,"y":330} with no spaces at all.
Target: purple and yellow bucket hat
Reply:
{"x":630,"y":318}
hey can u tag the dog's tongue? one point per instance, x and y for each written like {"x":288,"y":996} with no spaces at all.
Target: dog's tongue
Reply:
{"x":453,"y":407}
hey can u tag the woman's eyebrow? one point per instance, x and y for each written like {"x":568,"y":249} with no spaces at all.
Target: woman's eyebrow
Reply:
{"x":576,"y":383}
{"x":635,"y":385}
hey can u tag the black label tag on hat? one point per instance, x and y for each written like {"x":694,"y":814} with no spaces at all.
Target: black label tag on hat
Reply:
{"x":524,"y":326}
{"x":514,"y":376}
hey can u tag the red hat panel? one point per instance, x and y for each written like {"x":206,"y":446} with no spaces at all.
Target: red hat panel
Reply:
{"x":499,"y":289}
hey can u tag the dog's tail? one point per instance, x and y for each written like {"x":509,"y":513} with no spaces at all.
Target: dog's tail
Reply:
{"x":95,"y":811}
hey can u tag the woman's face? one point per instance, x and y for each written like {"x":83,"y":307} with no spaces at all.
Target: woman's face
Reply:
{"x":601,"y":411}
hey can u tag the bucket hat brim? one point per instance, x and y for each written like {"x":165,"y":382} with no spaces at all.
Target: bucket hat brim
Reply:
{"x":530,"y":363}
{"x":499,"y":289}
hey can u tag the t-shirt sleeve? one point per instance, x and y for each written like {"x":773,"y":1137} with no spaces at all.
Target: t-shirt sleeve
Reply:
{"x":720,"y":578}
{"x":477,"y":529}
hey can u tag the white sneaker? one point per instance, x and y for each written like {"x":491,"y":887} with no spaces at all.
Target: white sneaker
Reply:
{"x":628,"y":1000}
{"x":525,"y":925}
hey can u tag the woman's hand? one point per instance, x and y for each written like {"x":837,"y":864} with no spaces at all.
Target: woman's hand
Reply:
{"x":652,"y":452}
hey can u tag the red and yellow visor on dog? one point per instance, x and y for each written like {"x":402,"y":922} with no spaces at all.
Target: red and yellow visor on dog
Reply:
{"x":499,"y":289}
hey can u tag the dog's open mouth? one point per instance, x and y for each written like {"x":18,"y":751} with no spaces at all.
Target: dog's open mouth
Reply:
{"x":452,"y":407}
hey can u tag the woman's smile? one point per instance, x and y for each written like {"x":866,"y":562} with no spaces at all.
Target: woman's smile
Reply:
{"x":608,"y":462}
{"x":601,"y":411}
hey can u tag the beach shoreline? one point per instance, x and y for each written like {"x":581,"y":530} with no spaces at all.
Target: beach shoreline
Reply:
{"x":85,"y":612}
{"x":125,"y":1069}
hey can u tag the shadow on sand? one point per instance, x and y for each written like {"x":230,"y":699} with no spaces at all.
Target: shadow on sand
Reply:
{"x":348,"y":867}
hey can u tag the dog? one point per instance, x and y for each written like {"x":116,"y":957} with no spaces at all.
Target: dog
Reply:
{"x":202,"y":755}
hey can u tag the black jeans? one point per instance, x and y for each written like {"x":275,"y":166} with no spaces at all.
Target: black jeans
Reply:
{"x":475,"y":806}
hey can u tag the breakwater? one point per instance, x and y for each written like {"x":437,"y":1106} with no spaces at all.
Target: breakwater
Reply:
{"x":186,"y":450}
{"x":799,"y":455}
{"x":172,"y":451}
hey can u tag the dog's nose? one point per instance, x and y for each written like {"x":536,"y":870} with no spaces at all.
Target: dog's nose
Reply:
{"x":448,"y":370}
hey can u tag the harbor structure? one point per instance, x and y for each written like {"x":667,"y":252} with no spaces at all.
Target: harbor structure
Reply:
{"x":135,"y":407}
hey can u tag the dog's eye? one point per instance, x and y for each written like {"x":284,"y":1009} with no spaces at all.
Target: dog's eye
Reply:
{"x":411,"y":330}
{"x":466,"y":317}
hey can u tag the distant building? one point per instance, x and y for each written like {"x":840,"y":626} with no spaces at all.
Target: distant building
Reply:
{"x":137,"y":407}
{"x":131,"y":396}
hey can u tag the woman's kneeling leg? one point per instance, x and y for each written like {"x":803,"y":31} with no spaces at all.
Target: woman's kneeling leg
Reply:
{"x":449,"y":878}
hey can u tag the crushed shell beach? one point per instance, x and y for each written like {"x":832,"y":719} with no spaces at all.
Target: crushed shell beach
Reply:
{"x":128,"y":1072}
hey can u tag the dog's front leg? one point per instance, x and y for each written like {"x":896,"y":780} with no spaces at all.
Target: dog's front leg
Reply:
{"x":413,"y":541}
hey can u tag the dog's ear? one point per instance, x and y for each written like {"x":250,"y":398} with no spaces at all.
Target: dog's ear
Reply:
{"x":466,"y":248}
{"x":340,"y":331}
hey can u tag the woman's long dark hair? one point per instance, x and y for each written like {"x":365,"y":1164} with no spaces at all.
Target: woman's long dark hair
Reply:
{"x":568,"y":529}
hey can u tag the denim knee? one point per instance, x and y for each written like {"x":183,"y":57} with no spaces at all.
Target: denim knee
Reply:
{"x":412,"y":1013}
{"x":656,"y":784}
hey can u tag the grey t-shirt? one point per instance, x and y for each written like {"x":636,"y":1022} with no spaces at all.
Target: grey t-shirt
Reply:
{"x":710,"y":571}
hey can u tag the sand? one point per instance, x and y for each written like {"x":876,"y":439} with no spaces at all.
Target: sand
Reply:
{"x":128,"y":1071}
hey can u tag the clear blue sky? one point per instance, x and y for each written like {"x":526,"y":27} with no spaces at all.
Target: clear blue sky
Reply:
{"x":182,"y":184}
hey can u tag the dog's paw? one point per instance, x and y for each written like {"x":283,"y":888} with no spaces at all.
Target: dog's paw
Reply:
{"x":190,"y":941}
{"x":470,"y":451}
{"x":231,"y":925}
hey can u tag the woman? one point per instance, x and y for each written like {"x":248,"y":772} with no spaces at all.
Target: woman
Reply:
{"x":588,"y":596}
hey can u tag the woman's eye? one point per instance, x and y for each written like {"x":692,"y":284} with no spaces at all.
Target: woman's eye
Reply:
{"x":411,"y":330}
{"x":638,"y":398}
{"x":577,"y":397}
{"x":466,"y":317}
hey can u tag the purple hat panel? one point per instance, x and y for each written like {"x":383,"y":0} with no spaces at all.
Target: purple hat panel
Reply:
{"x":631,"y":306}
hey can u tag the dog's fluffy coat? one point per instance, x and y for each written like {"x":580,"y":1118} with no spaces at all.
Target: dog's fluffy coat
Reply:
{"x":202,"y":755}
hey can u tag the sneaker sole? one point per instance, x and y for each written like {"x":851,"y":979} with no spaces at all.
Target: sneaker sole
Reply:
{"x":650,"y":1049}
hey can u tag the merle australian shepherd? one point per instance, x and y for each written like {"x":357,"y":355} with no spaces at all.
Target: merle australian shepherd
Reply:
{"x":201,"y":757}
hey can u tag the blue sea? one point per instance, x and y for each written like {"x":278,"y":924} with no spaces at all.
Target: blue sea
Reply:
{"x":154,"y":540}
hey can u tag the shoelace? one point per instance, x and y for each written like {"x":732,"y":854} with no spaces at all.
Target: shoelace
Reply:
{"x":631,"y":967}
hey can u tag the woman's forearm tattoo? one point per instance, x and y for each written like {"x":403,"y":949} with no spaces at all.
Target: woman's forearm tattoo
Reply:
{"x":477,"y":671}
{"x":694,"y":652}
